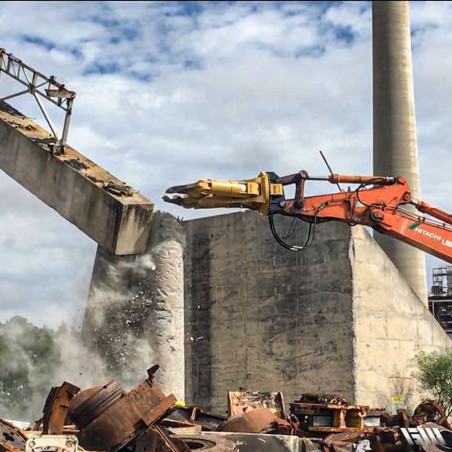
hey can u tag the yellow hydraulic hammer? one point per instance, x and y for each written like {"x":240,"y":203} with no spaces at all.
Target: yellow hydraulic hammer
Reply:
{"x":251,"y":194}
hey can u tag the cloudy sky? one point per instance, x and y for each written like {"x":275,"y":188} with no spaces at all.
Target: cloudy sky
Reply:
{"x":169,"y":93}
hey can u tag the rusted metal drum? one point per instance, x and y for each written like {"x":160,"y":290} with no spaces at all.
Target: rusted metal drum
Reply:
{"x":106,"y":418}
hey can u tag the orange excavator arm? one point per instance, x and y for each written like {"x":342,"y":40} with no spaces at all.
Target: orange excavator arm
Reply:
{"x":382,"y":203}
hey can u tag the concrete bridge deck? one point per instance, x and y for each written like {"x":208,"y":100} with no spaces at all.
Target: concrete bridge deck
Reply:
{"x":102,"y":206}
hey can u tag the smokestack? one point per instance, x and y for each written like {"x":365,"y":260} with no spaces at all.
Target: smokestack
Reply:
{"x":394,"y":123}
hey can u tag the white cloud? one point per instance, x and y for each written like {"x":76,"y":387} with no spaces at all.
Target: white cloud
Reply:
{"x":170,"y":93}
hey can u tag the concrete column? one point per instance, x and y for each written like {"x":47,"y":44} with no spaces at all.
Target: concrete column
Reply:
{"x":135,"y":312}
{"x":265,"y":318}
{"x":336,"y":318}
{"x":166,"y":322}
{"x":394,"y":123}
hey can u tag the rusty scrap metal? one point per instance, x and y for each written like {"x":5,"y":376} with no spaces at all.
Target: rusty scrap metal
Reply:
{"x":322,"y":414}
{"x":11,"y":435}
{"x":383,"y":439}
{"x":259,"y":420}
{"x":156,"y":439}
{"x":380,"y":440}
{"x":243,"y":400}
{"x":401,"y":419}
{"x":430,"y":411}
{"x":149,"y":399}
{"x":172,"y":423}
{"x":7,"y":447}
{"x":109,"y":418}
{"x":333,"y":399}
{"x":106,"y":418}
{"x":338,"y":442}
{"x":56,"y":408}
{"x":33,"y":81}
{"x":255,"y":421}
{"x":193,"y":415}
{"x":388,"y":440}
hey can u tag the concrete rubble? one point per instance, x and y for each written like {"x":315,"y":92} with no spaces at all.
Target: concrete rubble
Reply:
{"x":144,"y":419}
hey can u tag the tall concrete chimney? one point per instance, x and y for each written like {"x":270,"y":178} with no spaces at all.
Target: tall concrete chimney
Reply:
{"x":394,"y":123}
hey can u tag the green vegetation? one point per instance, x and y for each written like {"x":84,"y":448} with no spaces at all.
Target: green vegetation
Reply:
{"x":434,"y":374}
{"x":28,"y":354}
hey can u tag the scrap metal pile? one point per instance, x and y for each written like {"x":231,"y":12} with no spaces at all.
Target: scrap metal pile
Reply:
{"x":108,"y":418}
{"x":342,"y":427}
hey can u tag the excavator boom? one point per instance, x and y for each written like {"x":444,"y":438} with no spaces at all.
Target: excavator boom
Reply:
{"x":380,"y":202}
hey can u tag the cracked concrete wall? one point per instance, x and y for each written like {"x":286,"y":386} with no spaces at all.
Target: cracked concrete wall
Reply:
{"x":262,"y":317}
{"x":135,"y":316}
{"x":392,"y":324}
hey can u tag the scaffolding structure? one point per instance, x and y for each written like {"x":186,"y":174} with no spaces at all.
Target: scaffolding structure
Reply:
{"x":440,"y":298}
{"x":41,"y":87}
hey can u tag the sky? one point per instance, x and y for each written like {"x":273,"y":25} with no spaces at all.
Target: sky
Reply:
{"x":169,"y":93}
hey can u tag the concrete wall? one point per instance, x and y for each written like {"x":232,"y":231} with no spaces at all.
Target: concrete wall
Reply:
{"x":264,"y":318}
{"x":391,"y":325}
{"x":338,"y":317}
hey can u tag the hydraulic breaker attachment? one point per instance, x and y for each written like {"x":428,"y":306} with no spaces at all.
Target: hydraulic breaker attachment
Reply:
{"x":263,"y":193}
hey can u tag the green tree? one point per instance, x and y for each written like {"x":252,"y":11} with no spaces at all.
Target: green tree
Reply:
{"x":434,"y":374}
{"x":28,"y":356}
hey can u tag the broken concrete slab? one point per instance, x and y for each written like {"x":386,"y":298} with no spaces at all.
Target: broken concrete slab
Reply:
{"x":103,"y":207}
